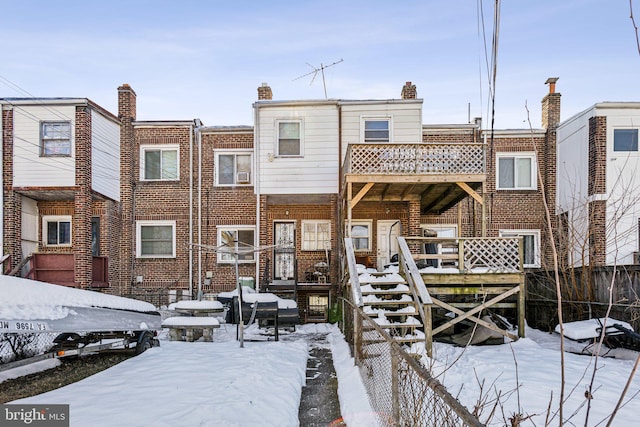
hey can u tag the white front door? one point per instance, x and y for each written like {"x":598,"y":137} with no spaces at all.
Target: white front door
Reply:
{"x":388,"y":232}
{"x":284,"y":253}
{"x":29,"y":227}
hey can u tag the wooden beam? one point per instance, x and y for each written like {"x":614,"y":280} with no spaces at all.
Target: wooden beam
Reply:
{"x":439,"y":199}
{"x":471,"y":192}
{"x":361,"y":194}
{"x":407,"y":190}
{"x":383,"y":194}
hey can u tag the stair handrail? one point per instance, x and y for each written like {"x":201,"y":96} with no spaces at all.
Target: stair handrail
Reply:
{"x":353,"y":272}
{"x":413,"y":275}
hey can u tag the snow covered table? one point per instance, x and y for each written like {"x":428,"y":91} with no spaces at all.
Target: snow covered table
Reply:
{"x":197,"y":308}
{"x":191,"y":328}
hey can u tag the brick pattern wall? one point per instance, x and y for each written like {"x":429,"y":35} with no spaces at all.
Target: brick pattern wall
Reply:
{"x":597,"y":233}
{"x":597,"y":155}
{"x":81,"y":230}
{"x":11,"y":201}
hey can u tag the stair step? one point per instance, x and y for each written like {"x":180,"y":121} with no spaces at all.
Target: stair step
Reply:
{"x":385,"y":292}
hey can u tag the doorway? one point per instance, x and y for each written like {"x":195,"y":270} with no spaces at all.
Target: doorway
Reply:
{"x":387,"y":241}
{"x":284,"y":253}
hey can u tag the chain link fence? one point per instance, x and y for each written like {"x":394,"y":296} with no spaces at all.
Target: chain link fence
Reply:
{"x":20,"y":346}
{"x":401,"y":391}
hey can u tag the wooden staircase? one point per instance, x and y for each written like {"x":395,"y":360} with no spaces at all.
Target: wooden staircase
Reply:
{"x":389,"y":302}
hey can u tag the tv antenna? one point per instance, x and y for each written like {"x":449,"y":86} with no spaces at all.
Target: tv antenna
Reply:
{"x":315,"y":72}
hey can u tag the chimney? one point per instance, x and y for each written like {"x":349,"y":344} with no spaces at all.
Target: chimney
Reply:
{"x":126,"y":102}
{"x":408,"y":91}
{"x":264,"y":93}
{"x":551,"y":106}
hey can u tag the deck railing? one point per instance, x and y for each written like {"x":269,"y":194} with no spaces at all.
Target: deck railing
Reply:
{"x":471,"y":254}
{"x":413,"y":159}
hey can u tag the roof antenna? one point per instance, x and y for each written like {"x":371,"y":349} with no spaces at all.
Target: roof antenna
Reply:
{"x":315,"y":74}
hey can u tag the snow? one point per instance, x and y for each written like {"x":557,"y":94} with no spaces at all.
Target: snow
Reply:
{"x":196,"y":305}
{"x":588,"y":329}
{"x":267,"y":297}
{"x":30,"y":300}
{"x":190,"y":321}
{"x":221,"y":384}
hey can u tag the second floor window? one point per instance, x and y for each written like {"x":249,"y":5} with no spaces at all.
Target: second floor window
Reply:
{"x":159,"y":163}
{"x":233,"y":169}
{"x":625,"y":140}
{"x":55,"y":139}
{"x":516,"y":171}
{"x":289,"y":139}
{"x":376,"y":130}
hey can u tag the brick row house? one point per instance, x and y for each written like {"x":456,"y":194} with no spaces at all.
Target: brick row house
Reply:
{"x":306,"y":174}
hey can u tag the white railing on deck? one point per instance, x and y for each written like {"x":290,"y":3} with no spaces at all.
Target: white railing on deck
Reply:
{"x":353,"y":272}
{"x":413,"y":159}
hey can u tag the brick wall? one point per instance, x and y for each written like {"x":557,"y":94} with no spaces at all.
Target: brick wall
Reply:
{"x":597,"y":155}
{"x":81,"y":230}
{"x":597,"y":233}
{"x":11,"y":201}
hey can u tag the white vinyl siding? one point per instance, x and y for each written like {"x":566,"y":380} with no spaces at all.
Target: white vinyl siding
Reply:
{"x":30,"y":169}
{"x":516,"y":171}
{"x":238,"y":240}
{"x":316,"y":171}
{"x":156,"y":239}
{"x":159,"y":162}
{"x":405,"y":121}
{"x":316,"y":235}
{"x":105,"y":156}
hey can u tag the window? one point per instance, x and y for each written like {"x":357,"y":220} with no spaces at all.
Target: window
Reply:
{"x":159,"y":163}
{"x":240,"y":240}
{"x":531,"y":242}
{"x":156,"y":239}
{"x":625,"y":140}
{"x":376,"y":130}
{"x":316,"y":235}
{"x":55,"y":139}
{"x":289,"y":139}
{"x":516,"y":171}
{"x":56,"y":230}
{"x":361,"y":235}
{"x":233,"y":168}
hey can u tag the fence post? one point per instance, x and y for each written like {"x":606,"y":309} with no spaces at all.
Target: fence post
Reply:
{"x":357,"y":321}
{"x":461,"y":265}
{"x":428,"y":330}
{"x":395,"y":386}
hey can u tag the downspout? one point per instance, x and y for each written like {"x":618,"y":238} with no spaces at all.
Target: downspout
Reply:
{"x":2,"y":192}
{"x":256,"y":188}
{"x":191,"y":130}
{"x":199,"y":142}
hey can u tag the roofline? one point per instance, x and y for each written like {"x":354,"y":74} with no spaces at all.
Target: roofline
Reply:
{"x":506,"y":133}
{"x":227,"y":129}
{"x":60,"y":101}
{"x":163,"y":123}
{"x":336,"y":102}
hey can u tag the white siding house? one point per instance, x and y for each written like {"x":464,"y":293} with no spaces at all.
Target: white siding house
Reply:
{"x":105,"y":154}
{"x":296,"y":147}
{"x":621,"y":161}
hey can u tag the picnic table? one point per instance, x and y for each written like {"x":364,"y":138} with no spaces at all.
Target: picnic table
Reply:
{"x":191,"y":328}
{"x":197,"y":308}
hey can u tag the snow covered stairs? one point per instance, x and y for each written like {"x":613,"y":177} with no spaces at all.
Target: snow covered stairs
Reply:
{"x":389,"y":302}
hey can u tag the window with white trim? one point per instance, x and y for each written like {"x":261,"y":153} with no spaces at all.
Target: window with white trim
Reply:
{"x":156,"y":239}
{"x":516,"y":171}
{"x":531,"y":245}
{"x":233,"y":168}
{"x":316,"y":235}
{"x":238,"y":240}
{"x":361,"y":235}
{"x":376,"y":130}
{"x":289,"y":138}
{"x":56,"y":230}
{"x":625,"y":140}
{"x":55,"y":139}
{"x":159,"y":162}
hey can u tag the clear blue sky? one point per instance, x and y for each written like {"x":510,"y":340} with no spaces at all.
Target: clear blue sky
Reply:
{"x":204,"y":59}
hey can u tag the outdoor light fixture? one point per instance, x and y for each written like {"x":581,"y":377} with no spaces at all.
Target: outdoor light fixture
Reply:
{"x":139,"y":279}
{"x":208,"y":274}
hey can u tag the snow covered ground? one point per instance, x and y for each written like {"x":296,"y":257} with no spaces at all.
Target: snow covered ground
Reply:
{"x":221,"y":384}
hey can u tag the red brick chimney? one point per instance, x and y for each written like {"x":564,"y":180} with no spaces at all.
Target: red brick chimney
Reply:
{"x":408,"y":91}
{"x":551,"y":106}
{"x":264,"y":92}
{"x":126,"y":102}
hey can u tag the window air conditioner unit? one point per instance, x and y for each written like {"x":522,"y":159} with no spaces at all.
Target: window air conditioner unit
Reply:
{"x":242,"y":177}
{"x":636,"y":258}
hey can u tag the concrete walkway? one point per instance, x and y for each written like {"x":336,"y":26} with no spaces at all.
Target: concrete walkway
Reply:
{"x":319,"y":404}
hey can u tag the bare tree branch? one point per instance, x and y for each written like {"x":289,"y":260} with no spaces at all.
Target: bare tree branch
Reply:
{"x":635,"y":27}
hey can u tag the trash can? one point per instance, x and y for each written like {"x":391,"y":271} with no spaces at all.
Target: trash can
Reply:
{"x":247,"y":281}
